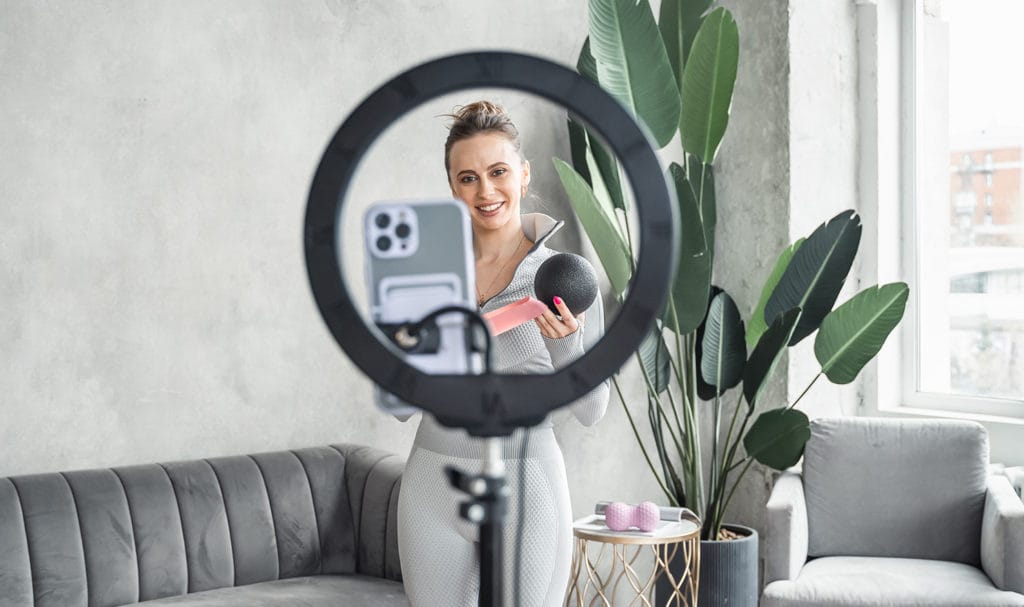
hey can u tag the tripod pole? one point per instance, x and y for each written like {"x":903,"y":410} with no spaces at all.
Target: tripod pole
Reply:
{"x":486,"y":508}
{"x":491,"y":546}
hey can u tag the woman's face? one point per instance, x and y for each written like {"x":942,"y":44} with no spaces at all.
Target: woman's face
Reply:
{"x":488,"y":175}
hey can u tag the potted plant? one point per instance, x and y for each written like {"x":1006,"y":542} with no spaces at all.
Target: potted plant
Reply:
{"x":676,"y":75}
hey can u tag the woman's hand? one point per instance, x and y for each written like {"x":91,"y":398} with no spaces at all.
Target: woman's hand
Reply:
{"x":556,"y":327}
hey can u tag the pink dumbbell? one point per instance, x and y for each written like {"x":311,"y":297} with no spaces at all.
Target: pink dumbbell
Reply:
{"x":644,"y":516}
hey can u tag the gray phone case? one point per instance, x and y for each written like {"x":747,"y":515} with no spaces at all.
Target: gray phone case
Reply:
{"x":443,"y":257}
{"x":437,"y":269}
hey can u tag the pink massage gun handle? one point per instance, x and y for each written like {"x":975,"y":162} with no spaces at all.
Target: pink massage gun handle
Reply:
{"x":514,"y":314}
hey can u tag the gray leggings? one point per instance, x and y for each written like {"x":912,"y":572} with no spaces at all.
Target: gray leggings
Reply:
{"x":438,"y":549}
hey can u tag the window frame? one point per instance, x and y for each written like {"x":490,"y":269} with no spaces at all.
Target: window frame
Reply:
{"x":890,"y":50}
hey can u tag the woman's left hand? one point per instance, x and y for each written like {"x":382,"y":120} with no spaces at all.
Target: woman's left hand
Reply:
{"x":553,"y":327}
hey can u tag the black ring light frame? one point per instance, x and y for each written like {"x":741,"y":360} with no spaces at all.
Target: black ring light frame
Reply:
{"x":491,"y":404}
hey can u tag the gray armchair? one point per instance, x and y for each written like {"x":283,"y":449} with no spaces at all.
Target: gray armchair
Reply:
{"x":894,"y":512}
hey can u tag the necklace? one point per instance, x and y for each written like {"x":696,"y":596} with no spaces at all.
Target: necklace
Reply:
{"x":501,"y":270}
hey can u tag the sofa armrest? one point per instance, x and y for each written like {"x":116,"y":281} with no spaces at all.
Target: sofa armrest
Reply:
{"x":1002,"y":535}
{"x":373,"y":478}
{"x":786,"y":537}
{"x":1016,"y":476}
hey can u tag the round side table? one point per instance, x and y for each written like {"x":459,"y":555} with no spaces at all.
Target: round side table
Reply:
{"x":605,"y":560}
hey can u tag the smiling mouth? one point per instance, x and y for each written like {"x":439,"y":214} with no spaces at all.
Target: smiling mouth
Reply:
{"x":490,"y":209}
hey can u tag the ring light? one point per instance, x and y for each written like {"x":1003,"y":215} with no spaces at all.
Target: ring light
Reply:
{"x":491,"y":404}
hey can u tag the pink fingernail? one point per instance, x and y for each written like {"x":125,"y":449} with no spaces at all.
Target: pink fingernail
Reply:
{"x":558,"y":301}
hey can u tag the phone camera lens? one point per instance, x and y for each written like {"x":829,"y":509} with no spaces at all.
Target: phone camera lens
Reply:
{"x":403,"y":230}
{"x":383,"y":243}
{"x":382,"y":220}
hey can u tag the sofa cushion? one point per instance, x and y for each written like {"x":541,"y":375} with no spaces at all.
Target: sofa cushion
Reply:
{"x":896,"y":488}
{"x":311,"y":591}
{"x":856,"y":581}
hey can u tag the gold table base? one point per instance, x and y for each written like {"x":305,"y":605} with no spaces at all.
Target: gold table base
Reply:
{"x":588,"y":587}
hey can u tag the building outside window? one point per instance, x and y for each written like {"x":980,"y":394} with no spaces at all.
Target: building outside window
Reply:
{"x":966,"y":267}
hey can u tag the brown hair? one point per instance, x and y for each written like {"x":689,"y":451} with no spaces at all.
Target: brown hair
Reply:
{"x":477,"y":118}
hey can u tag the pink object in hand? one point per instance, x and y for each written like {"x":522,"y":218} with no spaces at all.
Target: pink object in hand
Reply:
{"x":514,"y":314}
{"x":644,"y":516}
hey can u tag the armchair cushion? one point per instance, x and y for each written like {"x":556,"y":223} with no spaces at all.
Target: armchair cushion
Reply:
{"x":854,"y":581}
{"x":895,"y":488}
{"x":1002,"y":535}
{"x":787,"y":529}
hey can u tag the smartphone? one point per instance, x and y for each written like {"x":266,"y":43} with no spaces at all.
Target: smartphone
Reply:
{"x":419,"y":258}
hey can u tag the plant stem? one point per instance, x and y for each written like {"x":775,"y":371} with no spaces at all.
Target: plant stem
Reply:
{"x":674,"y":365}
{"x":625,"y":217}
{"x":739,"y":438}
{"x":679,"y":351}
{"x":692,"y":467}
{"x":739,"y":478}
{"x":805,"y":390}
{"x":698,"y":469}
{"x":722,"y":474}
{"x":732,"y":423}
{"x":653,"y":392}
{"x":716,"y":430}
{"x":643,"y":449}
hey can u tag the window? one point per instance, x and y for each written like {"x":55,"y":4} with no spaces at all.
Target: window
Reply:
{"x":964,"y":260}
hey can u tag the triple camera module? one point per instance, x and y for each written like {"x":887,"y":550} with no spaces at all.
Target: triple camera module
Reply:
{"x":392,"y":230}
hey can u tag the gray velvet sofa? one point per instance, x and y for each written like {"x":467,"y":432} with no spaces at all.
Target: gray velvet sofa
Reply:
{"x":306,"y":528}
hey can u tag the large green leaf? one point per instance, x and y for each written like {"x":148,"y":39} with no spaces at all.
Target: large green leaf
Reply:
{"x":655,"y":357}
{"x":853,"y":333}
{"x":632,"y":63}
{"x":693,"y":273}
{"x":758,"y":325}
{"x":777,"y":437}
{"x":723,"y":348}
{"x":603,"y":234}
{"x":700,"y":178}
{"x":586,"y":65}
{"x":816,"y":272}
{"x":708,"y":79}
{"x":609,"y":169}
{"x":766,"y":355}
{"x":578,"y":149}
{"x":679,"y":21}
{"x":705,"y":391}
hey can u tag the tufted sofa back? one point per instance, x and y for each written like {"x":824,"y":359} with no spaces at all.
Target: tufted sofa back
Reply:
{"x":109,"y":537}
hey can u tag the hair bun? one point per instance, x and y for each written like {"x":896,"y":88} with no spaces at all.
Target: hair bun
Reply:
{"x":479,"y":117}
{"x":478,"y":109}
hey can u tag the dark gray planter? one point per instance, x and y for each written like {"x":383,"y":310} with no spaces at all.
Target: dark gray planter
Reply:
{"x":728,"y":571}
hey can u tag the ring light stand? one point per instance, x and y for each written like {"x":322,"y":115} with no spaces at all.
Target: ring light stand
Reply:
{"x":490,"y":405}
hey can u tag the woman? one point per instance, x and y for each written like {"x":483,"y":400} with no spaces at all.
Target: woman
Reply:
{"x":438,"y":549}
